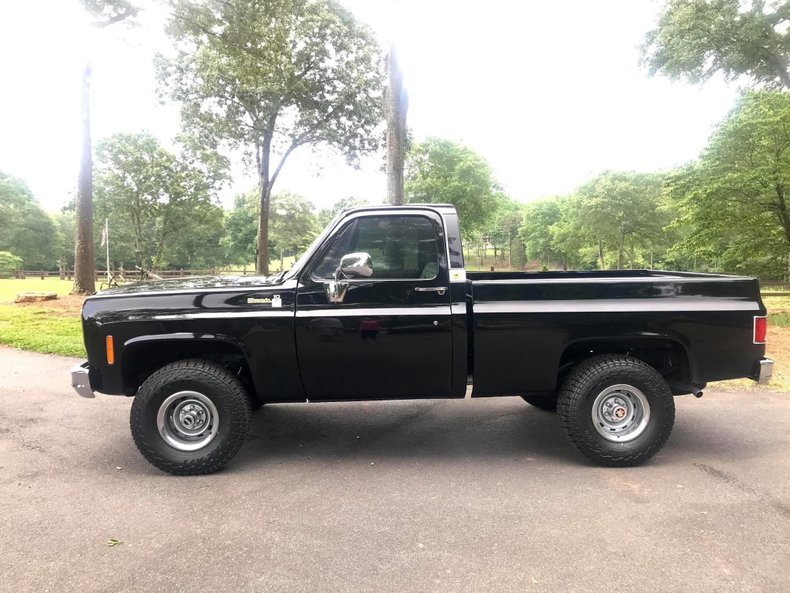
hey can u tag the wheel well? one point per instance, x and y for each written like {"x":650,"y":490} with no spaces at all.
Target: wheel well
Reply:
{"x":142,"y":359}
{"x":667,"y":356}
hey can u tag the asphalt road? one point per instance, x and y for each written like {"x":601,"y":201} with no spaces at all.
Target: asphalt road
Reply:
{"x":475,"y":495}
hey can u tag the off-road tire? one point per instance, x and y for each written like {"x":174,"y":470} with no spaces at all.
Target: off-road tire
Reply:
{"x":213,"y":381}
{"x":593,"y":376}
{"x":547,"y":403}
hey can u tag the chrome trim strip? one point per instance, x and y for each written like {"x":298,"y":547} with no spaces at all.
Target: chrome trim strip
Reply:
{"x":655,"y":279}
{"x":263,"y":314}
{"x":615,"y":306}
{"x":80,"y":380}
{"x":443,"y":310}
{"x":285,"y":286}
{"x":459,"y":308}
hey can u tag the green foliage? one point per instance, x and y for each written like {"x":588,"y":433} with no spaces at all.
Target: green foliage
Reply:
{"x":325,"y":215}
{"x":109,"y":12}
{"x":619,"y":212}
{"x":162,"y":208}
{"x":613,"y":220}
{"x":536,"y":230}
{"x":9,"y":262}
{"x":732,"y":202}
{"x":241,"y":228}
{"x":695,"y":39}
{"x":65,"y":224}
{"x":293,"y":227}
{"x":25,"y":229}
{"x":293,"y":224}
{"x":270,"y":76}
{"x":444,"y":172}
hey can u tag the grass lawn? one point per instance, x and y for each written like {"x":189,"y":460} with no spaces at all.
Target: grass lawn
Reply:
{"x":54,"y":327}
{"x":10,"y":287}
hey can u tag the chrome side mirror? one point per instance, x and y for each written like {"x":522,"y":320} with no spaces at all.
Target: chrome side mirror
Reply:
{"x":352,"y":265}
{"x":355,"y":265}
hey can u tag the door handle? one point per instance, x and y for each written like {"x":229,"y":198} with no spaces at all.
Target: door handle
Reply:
{"x":440,"y":289}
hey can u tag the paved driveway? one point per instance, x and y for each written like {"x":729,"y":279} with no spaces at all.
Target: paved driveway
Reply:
{"x":406,"y":496}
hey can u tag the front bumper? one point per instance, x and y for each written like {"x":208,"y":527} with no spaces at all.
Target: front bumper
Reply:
{"x":80,"y":381}
{"x":765,"y":370}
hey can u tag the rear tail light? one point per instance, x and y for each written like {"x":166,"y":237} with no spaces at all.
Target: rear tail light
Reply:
{"x":760,"y":329}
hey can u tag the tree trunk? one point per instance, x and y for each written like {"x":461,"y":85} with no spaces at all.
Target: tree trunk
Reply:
{"x":84,"y":264}
{"x":600,"y":255}
{"x":397,"y":104}
{"x":265,"y":186}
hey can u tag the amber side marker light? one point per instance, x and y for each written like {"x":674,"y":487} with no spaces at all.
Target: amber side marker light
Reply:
{"x":760,"y":329}
{"x":110,"y":350}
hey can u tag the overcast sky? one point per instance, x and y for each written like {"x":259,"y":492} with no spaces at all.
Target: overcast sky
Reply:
{"x":550,"y":93}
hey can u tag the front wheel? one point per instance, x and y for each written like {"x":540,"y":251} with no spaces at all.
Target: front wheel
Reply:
{"x":190,"y":417}
{"x":616,"y":410}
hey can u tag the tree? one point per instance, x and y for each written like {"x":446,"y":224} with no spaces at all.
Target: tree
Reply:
{"x":155,"y":202}
{"x":732,"y":204}
{"x":65,"y":224}
{"x":26,"y":230}
{"x":536,"y":230}
{"x":504,"y":231}
{"x":445,"y":172}
{"x":397,"y":105}
{"x":9,"y":263}
{"x":325,"y":215}
{"x":695,"y":39}
{"x":241,"y":225}
{"x":104,"y":14}
{"x":273,"y":75}
{"x":620,"y":212}
{"x":293,"y":226}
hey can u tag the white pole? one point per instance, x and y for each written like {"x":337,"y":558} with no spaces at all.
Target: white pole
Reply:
{"x":107,"y":244}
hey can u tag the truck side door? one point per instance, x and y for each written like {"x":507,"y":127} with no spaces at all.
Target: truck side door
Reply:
{"x":390,"y":334}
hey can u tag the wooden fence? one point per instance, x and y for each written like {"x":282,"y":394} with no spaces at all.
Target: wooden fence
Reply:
{"x":130,"y":275}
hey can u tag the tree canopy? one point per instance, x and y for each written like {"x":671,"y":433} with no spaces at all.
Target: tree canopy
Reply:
{"x":26,"y":230}
{"x":696,"y":39}
{"x":734,"y":199}
{"x":270,"y":76}
{"x":440,"y":171}
{"x":163,"y":208}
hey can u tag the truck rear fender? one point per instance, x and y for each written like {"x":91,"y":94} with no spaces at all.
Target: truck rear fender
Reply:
{"x":143,"y":355}
{"x":668,"y":356}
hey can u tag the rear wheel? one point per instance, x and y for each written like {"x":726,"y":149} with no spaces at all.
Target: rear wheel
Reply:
{"x":190,"y":417}
{"x":616,"y":410}
{"x":543,"y":402}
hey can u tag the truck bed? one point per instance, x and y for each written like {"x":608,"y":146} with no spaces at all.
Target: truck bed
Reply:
{"x":527,"y":325}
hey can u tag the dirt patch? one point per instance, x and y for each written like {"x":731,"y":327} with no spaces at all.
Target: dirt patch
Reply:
{"x":65,"y":306}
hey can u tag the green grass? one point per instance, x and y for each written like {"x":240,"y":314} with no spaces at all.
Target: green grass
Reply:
{"x":10,"y":287}
{"x":41,"y":330}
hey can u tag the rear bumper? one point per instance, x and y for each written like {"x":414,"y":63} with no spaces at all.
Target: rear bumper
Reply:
{"x":80,"y":380}
{"x":765,"y":368}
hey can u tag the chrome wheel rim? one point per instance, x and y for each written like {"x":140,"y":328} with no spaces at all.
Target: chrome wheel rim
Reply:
{"x":187,"y":420}
{"x":620,"y":413}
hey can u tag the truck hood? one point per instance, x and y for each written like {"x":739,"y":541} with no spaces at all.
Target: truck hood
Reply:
{"x":190,"y":283}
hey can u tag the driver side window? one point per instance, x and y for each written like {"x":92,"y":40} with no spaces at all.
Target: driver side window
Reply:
{"x":401,"y":247}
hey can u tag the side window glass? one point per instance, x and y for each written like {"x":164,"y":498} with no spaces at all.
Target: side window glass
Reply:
{"x":341,"y":245}
{"x":401,"y":247}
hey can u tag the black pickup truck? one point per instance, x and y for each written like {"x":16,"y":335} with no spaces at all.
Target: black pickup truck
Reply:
{"x":380,"y":307}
